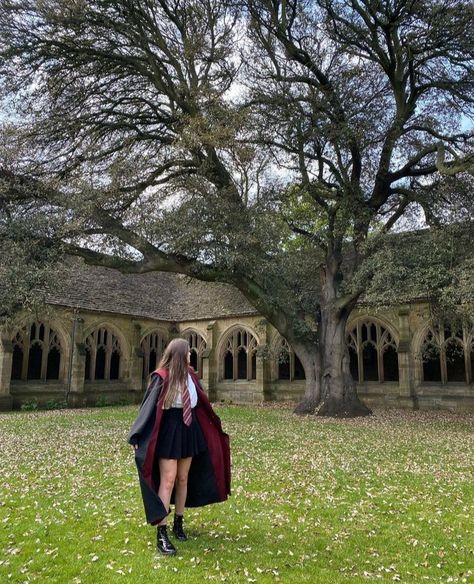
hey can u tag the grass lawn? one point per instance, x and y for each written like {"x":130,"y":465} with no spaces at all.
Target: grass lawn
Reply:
{"x":386,"y":498}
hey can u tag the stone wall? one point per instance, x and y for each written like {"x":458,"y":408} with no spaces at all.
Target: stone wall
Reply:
{"x":227,"y":372}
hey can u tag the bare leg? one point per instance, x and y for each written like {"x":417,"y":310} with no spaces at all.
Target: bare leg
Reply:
{"x":168,"y":470}
{"x":182,"y":484}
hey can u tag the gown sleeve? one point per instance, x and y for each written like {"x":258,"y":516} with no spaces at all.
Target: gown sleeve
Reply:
{"x":147,"y":407}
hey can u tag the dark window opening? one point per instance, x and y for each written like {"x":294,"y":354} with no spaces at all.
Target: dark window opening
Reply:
{"x":228,"y":366}
{"x":197,"y":345}
{"x":284,"y":366}
{"x":115,"y":365}
{"x":17,"y":364}
{"x":100,"y":363}
{"x":254,"y":365}
{"x":431,"y":363}
{"x":455,"y":365}
{"x":370,"y":368}
{"x":373,"y":332}
{"x":87,"y":372}
{"x":54,"y":360}
{"x":241,"y":364}
{"x":353,"y":364}
{"x":153,"y":359}
{"x":194,"y":359}
{"x":299,"y":369}
{"x":390,"y":364}
{"x":34,"y":361}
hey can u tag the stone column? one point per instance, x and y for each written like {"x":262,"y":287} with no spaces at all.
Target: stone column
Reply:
{"x":6,"y":358}
{"x":136,"y":364}
{"x":264,"y":369}
{"x":76,"y":367}
{"x":406,"y":396}
{"x":269,"y":386}
{"x":209,"y":362}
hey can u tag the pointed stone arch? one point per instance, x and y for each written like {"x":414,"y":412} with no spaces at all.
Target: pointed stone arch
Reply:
{"x":444,"y":354}
{"x":286,"y":365}
{"x":39,"y":352}
{"x":373,"y":349}
{"x":107,"y":352}
{"x":152,"y":345}
{"x":198,"y":345}
{"x":237,"y":352}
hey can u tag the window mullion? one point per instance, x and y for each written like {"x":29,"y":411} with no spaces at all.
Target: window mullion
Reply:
{"x":93,"y":361}
{"x":235,"y":356}
{"x":44,"y":356}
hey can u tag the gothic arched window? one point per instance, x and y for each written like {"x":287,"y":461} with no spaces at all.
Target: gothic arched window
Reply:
{"x":289,"y":366}
{"x":18,"y":356}
{"x":372,"y":352}
{"x":197,"y":345}
{"x":443,"y":354}
{"x":152,"y":346}
{"x":37,"y":353}
{"x":103,"y":355}
{"x":239,"y":357}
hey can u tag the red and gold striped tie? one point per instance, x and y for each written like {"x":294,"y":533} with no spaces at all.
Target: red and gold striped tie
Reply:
{"x":187,"y":415}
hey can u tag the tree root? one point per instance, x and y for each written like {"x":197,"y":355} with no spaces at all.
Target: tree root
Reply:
{"x":307,"y":406}
{"x":352,"y":408}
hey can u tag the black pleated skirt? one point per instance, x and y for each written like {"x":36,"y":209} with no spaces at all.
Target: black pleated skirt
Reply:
{"x":175,"y":439}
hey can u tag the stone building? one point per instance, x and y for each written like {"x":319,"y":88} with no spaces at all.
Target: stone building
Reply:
{"x":105,"y":331}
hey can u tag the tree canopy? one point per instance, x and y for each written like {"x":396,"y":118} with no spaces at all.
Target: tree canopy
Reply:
{"x":268,"y":144}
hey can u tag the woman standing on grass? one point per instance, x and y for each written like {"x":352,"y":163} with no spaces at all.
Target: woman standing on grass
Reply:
{"x":181,"y":452}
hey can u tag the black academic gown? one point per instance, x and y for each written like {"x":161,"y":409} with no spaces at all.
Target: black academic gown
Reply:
{"x":209,"y":475}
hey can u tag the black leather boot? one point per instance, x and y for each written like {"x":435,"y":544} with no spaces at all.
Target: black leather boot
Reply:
{"x":163,"y":543}
{"x":178,"y":528}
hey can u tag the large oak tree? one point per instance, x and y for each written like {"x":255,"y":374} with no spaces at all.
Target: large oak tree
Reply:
{"x":270,"y":144}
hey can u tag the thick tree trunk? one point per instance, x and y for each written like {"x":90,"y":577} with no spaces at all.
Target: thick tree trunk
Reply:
{"x":310,"y":359}
{"x":338,"y":390}
{"x":330,"y":389}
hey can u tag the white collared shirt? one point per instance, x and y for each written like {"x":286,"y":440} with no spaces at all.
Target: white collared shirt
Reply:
{"x":178,"y":400}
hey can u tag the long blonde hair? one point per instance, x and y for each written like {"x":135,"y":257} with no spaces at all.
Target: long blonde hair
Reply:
{"x":175,"y":359}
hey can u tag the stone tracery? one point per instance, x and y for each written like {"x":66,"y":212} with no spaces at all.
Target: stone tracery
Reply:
{"x":37,"y":353}
{"x":289,"y":365}
{"x":239,"y":355}
{"x":103,"y":355}
{"x":198,"y":345}
{"x":373,"y":352}
{"x":152,"y":347}
{"x":446,"y":354}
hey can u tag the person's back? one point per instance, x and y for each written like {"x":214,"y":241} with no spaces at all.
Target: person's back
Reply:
{"x":168,"y":439}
